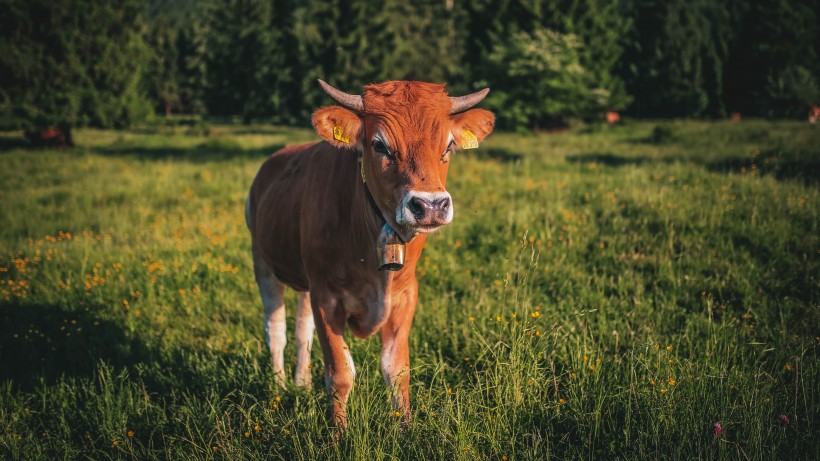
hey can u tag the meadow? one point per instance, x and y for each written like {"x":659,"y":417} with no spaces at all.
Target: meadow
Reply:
{"x":642,"y":291}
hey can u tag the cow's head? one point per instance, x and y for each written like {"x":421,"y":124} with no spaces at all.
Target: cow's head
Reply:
{"x":406,"y":132}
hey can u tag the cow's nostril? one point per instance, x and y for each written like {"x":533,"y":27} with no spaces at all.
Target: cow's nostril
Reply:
{"x":442,"y":204}
{"x":416,"y":207}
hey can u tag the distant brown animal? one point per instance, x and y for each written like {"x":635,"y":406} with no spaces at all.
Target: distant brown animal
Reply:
{"x":315,"y":213}
{"x":613,"y":117}
{"x":50,"y":137}
{"x":814,"y":113}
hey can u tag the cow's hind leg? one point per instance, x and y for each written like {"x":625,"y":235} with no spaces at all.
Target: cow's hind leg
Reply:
{"x":272,"y":293}
{"x":304,"y":340}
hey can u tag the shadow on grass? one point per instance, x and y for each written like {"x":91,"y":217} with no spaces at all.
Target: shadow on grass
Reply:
{"x":609,"y":159}
{"x":45,"y":343}
{"x":208,"y":151}
{"x":500,"y":155}
{"x":273,"y":130}
{"x":42,"y":342}
{"x":10,"y":143}
{"x":804,"y":167}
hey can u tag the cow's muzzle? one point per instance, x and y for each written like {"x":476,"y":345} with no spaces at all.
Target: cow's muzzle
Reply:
{"x":425,"y":212}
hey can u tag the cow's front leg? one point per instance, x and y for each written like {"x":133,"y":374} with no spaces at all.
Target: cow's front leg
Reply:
{"x":395,"y":357}
{"x":339,"y":370}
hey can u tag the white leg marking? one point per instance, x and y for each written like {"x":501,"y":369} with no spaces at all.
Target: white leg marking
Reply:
{"x":304,"y":340}
{"x":329,"y":380}
{"x":350,"y":362}
{"x":272,"y":293}
{"x":391,"y":370}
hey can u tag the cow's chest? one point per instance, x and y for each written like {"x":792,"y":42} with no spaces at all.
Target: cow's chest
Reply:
{"x":365,"y":301}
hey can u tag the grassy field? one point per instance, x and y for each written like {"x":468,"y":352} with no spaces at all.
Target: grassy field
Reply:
{"x":603,"y":293}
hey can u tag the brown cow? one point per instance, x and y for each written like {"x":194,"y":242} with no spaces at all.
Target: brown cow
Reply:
{"x":316,"y":211}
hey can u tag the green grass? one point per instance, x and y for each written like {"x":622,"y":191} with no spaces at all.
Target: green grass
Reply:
{"x":603,"y":293}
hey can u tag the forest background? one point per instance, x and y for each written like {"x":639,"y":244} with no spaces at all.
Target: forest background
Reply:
{"x":114,"y":64}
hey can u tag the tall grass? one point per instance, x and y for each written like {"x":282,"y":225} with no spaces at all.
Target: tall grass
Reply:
{"x":602,"y":293}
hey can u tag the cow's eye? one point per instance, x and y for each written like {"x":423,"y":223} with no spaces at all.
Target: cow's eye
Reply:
{"x":381,"y":149}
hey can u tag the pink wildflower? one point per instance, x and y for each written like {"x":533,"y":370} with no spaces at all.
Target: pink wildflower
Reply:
{"x":784,"y":419}
{"x":718,"y":429}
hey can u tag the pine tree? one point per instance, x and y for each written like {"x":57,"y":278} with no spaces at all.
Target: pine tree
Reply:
{"x":541,"y":80}
{"x":73,"y":63}
{"x":316,"y":26}
{"x":424,"y":43}
{"x":602,"y":26}
{"x":773,"y":70}
{"x":675,"y":57}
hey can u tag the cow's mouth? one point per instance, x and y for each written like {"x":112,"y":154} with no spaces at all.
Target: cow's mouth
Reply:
{"x":428,"y":229}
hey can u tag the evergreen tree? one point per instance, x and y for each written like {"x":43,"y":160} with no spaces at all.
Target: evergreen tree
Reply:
{"x":773,"y":66}
{"x":603,"y":27}
{"x":363,"y":45}
{"x":541,"y":81}
{"x":390,"y":40}
{"x":495,"y":36}
{"x":315,"y":25}
{"x":248,"y":68}
{"x":176,"y":35}
{"x":164,"y":75}
{"x":425,"y":45}
{"x":72,"y":63}
{"x":675,"y":58}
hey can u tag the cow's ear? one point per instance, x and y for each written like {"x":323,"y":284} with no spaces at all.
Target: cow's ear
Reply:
{"x":471,"y":127}
{"x":338,"y":126}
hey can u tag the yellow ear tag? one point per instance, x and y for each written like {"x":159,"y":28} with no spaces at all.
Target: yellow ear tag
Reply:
{"x":339,"y":135}
{"x":468,"y":140}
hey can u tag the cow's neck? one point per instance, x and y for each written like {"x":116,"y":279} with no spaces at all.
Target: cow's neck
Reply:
{"x":371,"y":218}
{"x":373,"y":206}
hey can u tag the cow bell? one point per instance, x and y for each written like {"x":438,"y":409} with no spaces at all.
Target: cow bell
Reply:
{"x":389,"y":250}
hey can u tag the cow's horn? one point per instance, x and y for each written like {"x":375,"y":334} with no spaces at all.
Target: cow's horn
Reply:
{"x":462,"y":103}
{"x":352,"y":102}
